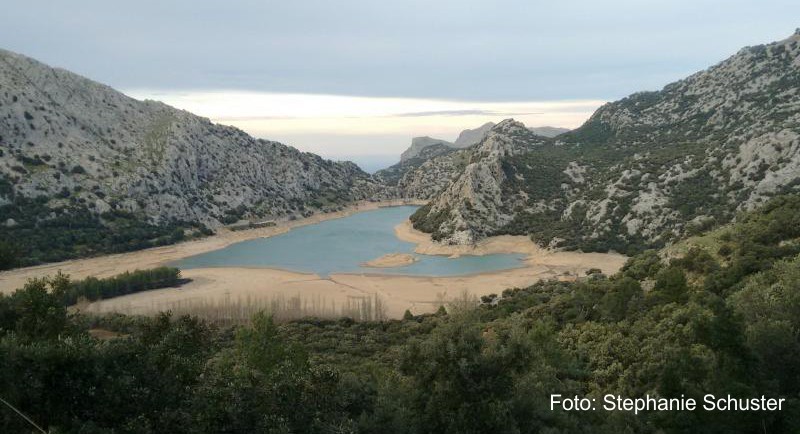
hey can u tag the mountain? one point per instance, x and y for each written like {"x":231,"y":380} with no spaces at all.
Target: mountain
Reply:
{"x":392,"y":175}
{"x":420,"y":143}
{"x":641,"y":171}
{"x":468,"y":138}
{"x":465,"y":139}
{"x":123,"y":173}
{"x":414,"y":181}
{"x":548,"y":131}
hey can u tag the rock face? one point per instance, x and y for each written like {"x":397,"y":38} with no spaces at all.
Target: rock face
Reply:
{"x":475,"y":193}
{"x":72,"y":142}
{"x":641,"y":171}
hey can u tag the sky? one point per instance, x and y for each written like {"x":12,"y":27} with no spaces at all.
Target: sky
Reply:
{"x":358,"y":79}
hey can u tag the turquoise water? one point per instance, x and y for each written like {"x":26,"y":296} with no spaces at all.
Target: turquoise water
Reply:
{"x":341,"y":245}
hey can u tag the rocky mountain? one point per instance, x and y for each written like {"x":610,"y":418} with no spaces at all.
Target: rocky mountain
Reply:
{"x":76,"y":152}
{"x":420,"y":143}
{"x":409,"y":179}
{"x":465,"y":139}
{"x":424,"y":182}
{"x":641,"y":171}
{"x":391,"y":176}
{"x":468,"y":138}
{"x":432,"y":169}
{"x":425,"y":148}
{"x":548,"y":131}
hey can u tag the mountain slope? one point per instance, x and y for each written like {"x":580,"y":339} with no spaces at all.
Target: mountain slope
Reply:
{"x":548,"y":131}
{"x":73,"y":150}
{"x":643,"y":170}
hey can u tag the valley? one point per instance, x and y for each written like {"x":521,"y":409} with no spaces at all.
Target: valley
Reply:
{"x":163,"y":273}
{"x":261,"y":285}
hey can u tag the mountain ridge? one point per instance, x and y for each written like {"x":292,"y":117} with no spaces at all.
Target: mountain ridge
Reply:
{"x":648,"y":168}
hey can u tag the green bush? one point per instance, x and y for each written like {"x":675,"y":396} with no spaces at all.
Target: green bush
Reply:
{"x":93,"y":288}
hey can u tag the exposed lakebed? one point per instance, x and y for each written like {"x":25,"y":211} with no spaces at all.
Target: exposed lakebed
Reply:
{"x":343,"y":245}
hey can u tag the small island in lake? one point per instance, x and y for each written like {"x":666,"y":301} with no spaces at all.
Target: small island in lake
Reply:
{"x":391,"y":260}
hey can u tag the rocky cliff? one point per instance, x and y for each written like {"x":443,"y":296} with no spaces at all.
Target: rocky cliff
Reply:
{"x":643,"y":170}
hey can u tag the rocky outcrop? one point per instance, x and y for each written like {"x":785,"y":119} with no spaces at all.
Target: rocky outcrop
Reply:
{"x":473,"y":204}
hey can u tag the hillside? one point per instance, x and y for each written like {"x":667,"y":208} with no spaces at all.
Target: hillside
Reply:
{"x":85,"y":169}
{"x":548,"y":131}
{"x":641,"y":171}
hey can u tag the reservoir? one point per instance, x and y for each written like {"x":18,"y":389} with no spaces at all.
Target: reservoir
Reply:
{"x":342,"y":245}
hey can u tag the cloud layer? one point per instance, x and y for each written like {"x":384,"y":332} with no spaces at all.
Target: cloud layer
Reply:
{"x":347,"y":126}
{"x":503,"y":50}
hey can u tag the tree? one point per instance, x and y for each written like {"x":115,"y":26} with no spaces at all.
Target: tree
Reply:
{"x":8,"y":255}
{"x":40,"y":313}
{"x":672,"y":285}
{"x":614,"y":304}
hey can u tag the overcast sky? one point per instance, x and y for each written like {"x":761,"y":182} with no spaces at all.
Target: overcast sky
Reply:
{"x":450,"y":63}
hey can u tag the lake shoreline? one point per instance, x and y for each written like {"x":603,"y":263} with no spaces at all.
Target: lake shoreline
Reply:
{"x":398,"y":292}
{"x":116,"y":263}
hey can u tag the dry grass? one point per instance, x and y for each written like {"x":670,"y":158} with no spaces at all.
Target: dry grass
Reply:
{"x":462,"y":302}
{"x":239,"y":310}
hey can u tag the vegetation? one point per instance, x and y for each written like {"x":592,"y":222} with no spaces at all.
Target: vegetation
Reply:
{"x":239,"y":310}
{"x":92,"y":288}
{"x":8,"y":255}
{"x":700,"y":323}
{"x":41,"y":233}
{"x":426,"y":220}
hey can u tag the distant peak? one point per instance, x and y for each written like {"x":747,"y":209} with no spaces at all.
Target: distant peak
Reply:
{"x":427,"y":140}
{"x":472,"y":136}
{"x":507,"y":125}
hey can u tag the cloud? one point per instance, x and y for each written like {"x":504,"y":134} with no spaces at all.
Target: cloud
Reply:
{"x":474,"y":112}
{"x":355,"y":126}
{"x":469,"y":50}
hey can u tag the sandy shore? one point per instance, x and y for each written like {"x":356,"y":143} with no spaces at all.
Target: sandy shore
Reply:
{"x":259,"y":285}
{"x":501,"y":244}
{"x":391,"y":260}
